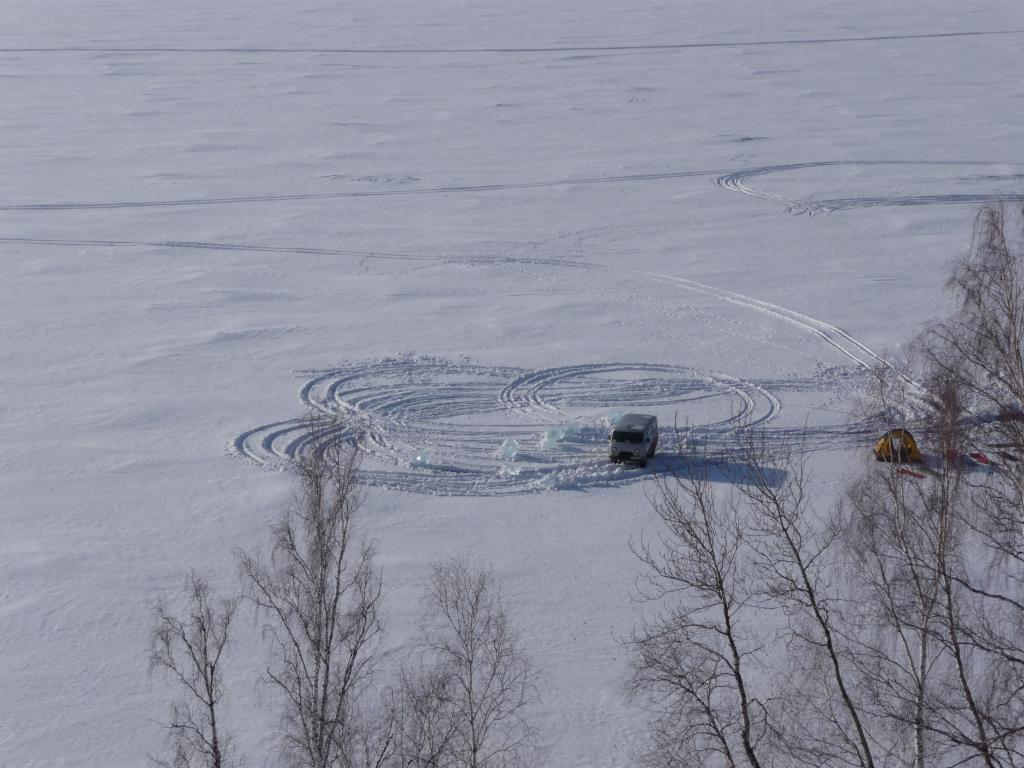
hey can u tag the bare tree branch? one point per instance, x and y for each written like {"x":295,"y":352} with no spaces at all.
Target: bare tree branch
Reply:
{"x":188,"y":651}
{"x":319,"y":594}
{"x":467,"y":707}
{"x":691,"y":658}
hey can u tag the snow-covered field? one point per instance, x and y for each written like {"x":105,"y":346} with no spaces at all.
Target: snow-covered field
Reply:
{"x":460,"y":222}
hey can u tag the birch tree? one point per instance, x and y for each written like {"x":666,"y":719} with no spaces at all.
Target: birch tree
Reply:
{"x":187,"y":649}
{"x":319,"y":595}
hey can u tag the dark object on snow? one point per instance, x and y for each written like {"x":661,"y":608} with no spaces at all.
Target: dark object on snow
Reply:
{"x":899,"y":446}
{"x":634,"y":437}
{"x":1011,"y":413}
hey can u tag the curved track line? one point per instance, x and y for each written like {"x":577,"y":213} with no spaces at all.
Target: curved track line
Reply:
{"x":832,"y":335}
{"x":737,"y":181}
{"x":825,"y":331}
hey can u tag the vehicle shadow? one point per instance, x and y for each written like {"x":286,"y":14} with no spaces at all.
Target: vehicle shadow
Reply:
{"x":716,"y":469}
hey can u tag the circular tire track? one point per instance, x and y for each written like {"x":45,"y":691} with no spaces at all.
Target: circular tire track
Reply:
{"x":456,"y":416}
{"x":551,"y":391}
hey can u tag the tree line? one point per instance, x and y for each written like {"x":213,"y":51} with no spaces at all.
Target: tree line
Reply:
{"x":459,"y":701}
{"x":886,"y":628}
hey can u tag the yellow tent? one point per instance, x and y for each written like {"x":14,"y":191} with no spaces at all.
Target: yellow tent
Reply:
{"x":897,"y":445}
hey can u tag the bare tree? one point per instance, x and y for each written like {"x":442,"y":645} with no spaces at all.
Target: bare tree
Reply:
{"x":373,"y":730}
{"x":319,"y":594}
{"x":929,"y":650}
{"x":692,"y":656}
{"x":743,"y":575}
{"x":978,"y":352}
{"x":891,"y":541}
{"x":902,"y":632}
{"x":476,"y":695}
{"x":187,"y":650}
{"x":981,"y":347}
{"x":793,"y":556}
{"x":932,"y":613}
{"x":427,"y":724}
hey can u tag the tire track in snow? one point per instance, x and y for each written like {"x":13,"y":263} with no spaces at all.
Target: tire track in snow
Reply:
{"x":287,"y":197}
{"x":739,"y":181}
{"x":396,"y":419}
{"x":831,"y":335}
{"x":214,"y":246}
{"x":626,"y":47}
{"x":736,"y":181}
{"x":459,"y":413}
{"x":528,"y":394}
{"x":842,"y":204}
{"x":456,"y":415}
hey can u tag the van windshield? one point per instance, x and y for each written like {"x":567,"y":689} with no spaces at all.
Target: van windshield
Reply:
{"x":627,"y":437}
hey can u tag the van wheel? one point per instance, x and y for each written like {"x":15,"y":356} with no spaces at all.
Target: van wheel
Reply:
{"x":643,"y":462}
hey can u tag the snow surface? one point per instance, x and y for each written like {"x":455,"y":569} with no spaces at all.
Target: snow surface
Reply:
{"x":461,"y":223}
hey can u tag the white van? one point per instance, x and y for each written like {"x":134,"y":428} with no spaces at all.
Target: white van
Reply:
{"x":634,"y":437}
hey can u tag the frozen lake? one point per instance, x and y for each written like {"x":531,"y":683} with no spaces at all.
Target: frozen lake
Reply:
{"x":457,"y":223}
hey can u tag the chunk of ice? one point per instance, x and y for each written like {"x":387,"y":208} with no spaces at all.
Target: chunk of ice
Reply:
{"x":551,"y":438}
{"x":509,"y":450}
{"x":558,"y":433}
{"x":421,"y":460}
